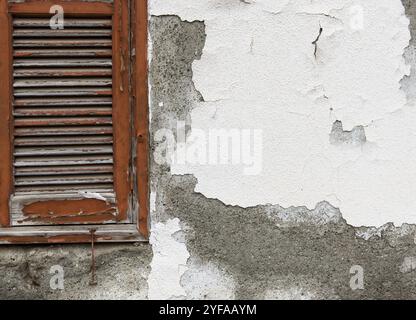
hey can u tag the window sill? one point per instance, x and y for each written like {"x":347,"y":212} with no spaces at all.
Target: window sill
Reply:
{"x":74,"y":234}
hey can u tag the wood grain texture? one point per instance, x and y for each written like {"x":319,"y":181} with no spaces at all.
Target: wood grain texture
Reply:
{"x":41,"y":163}
{"x":69,"y":211}
{"x":141,"y":112}
{"x":70,"y":7}
{"x":75,"y":234}
{"x":6,"y":114}
{"x":92,"y":106}
{"x":121,"y":108}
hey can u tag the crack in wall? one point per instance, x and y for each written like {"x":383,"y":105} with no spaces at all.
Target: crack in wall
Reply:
{"x":315,"y":42}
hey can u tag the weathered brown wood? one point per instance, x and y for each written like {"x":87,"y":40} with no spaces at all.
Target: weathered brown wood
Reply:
{"x":31,"y":106}
{"x":62,"y":150}
{"x":75,"y":234}
{"x":45,"y":22}
{"x":121,"y":107}
{"x":141,"y":112}
{"x":6,"y":114}
{"x":62,"y":170}
{"x":70,"y":7}
{"x":62,"y":141}
{"x":63,"y":161}
{"x":64,"y":72}
{"x":62,"y":82}
{"x":63,"y":180}
{"x":58,"y":92}
{"x":46,"y":33}
{"x":62,"y":121}
{"x":74,"y":111}
{"x":20,"y":53}
{"x":69,"y":211}
{"x":39,"y":43}
{"x":40,"y":123}
{"x":82,"y":131}
{"x":62,"y":62}
{"x":52,"y":102}
{"x":65,"y":188}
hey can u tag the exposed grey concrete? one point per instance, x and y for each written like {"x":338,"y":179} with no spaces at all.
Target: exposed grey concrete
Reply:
{"x":263,"y":252}
{"x":354,"y":137}
{"x":409,"y":83}
{"x":175,"y":45}
{"x":121,"y":271}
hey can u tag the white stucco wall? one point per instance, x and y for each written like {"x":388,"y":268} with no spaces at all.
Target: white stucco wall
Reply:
{"x":259,"y":71}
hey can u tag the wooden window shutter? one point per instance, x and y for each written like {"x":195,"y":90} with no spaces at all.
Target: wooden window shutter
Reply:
{"x":75,"y":106}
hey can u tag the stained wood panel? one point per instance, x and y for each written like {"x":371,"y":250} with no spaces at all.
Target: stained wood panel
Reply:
{"x":64,"y":113}
{"x":74,"y":106}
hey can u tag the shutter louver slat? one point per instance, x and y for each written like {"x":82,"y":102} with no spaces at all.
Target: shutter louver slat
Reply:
{"x":72,"y":131}
{"x":41,"y":43}
{"x":63,"y":136}
{"x":62,"y":141}
{"x":55,"y":102}
{"x":36,"y":53}
{"x":42,"y":22}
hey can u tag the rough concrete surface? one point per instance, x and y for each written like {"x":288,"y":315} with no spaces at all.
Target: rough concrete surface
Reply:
{"x":122,"y":271}
{"x":204,"y":247}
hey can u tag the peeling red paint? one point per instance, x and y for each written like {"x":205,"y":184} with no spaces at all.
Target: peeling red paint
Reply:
{"x":66,"y":211}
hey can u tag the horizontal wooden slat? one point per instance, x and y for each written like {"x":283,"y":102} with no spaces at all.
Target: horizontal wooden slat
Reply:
{"x":62,"y":170}
{"x":57,"y":131}
{"x":104,"y":187}
{"x":62,"y":82}
{"x":62,"y":234}
{"x":57,"y":92}
{"x":21,"y":53}
{"x":62,"y":62}
{"x":62,"y":106}
{"x":68,"y":22}
{"x":58,"y":151}
{"x":62,"y":72}
{"x":63,"y":141}
{"x":63,"y":121}
{"x":62,"y":161}
{"x":70,"y":43}
{"x":73,"y":7}
{"x":63,"y":111}
{"x":63,"y":180}
{"x":61,"y":33}
{"x":52,"y":102}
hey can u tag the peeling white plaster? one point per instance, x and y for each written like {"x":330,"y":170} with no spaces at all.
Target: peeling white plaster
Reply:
{"x":298,"y":288}
{"x":207,"y":282}
{"x":323,"y":214}
{"x":408,"y":265}
{"x":168,"y":263}
{"x":92,"y":195}
{"x":152,"y":201}
{"x":258,"y":70}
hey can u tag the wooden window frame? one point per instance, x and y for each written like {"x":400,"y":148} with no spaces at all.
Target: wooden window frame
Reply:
{"x":132,"y":91}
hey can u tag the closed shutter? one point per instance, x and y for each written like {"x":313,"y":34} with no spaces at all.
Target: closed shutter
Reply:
{"x":74,"y":122}
{"x":62,"y":88}
{"x":70,"y":116}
